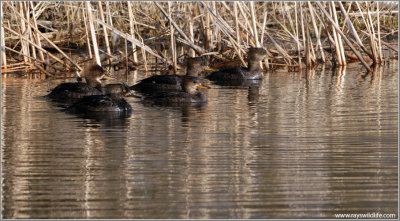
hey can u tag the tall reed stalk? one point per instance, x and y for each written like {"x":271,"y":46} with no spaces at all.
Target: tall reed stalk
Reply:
{"x":132,"y":30}
{"x":37,"y":36}
{"x":3,"y":42}
{"x":104,"y":29}
{"x":93,"y":33}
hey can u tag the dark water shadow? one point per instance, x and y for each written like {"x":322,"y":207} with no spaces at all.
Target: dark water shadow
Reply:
{"x":238,"y":84}
{"x":107,"y":119}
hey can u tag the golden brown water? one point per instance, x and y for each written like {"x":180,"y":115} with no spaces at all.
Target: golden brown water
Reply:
{"x":308,"y":145}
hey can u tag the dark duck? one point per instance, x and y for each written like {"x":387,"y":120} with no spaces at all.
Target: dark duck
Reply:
{"x":252,"y":72}
{"x":169,"y":83}
{"x":189,"y":93}
{"x":71,"y":91}
{"x":111,"y":101}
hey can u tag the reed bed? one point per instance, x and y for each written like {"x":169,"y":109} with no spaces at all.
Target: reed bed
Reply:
{"x":42,"y":36}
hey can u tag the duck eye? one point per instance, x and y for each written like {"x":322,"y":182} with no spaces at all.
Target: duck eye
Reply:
{"x":124,"y":90}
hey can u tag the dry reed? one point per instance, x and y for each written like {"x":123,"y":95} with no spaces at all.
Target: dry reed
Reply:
{"x":221,"y":30}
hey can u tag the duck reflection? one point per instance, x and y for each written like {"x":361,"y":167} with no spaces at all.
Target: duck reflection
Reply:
{"x":253,"y":94}
{"x":237,"y":84}
{"x":107,"y":119}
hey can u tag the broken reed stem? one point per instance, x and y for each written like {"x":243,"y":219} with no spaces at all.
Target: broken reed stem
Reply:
{"x":236,"y":22}
{"x":214,"y":32}
{"x":195,"y":47}
{"x":359,"y":56}
{"x":388,"y":45}
{"x":297,"y":36}
{"x":379,"y":34}
{"x":219,"y":25}
{"x":3,"y":43}
{"x":27,"y":10}
{"x":132,"y":30}
{"x":307,"y":43}
{"x":253,"y":19}
{"x":109,"y":13}
{"x":314,"y":23}
{"x":172,"y":38}
{"x":93,"y":33}
{"x":136,"y":42}
{"x":37,"y":39}
{"x":30,"y":57}
{"x":289,"y":17}
{"x":208,"y":30}
{"x":224,"y":30}
{"x":43,"y":36}
{"x":303,"y":34}
{"x":339,"y":38}
{"x":353,"y":30}
{"x":104,"y":30}
{"x":87,"y":33}
{"x":37,"y":46}
{"x":126,"y":59}
{"x":24,"y":45}
{"x":191,"y":51}
{"x":335,"y":37}
{"x":244,"y":14}
{"x":372,"y":36}
{"x":144,"y":56}
{"x":311,"y":46}
{"x":266,"y":62}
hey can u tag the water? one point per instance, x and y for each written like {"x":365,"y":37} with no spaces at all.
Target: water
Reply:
{"x":308,"y":145}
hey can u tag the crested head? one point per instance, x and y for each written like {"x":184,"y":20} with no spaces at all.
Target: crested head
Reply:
{"x":116,"y":89}
{"x":195,"y":65}
{"x":93,"y":70}
{"x":93,"y":73}
{"x":197,"y":61}
{"x":190,"y":84}
{"x":256,"y":54}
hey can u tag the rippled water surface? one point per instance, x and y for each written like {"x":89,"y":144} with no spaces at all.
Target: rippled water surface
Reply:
{"x":303,"y":145}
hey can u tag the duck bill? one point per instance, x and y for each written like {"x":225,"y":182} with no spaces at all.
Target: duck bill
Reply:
{"x":127,"y":93}
{"x":107,"y":77}
{"x":203,"y":87}
{"x":267,"y":58}
{"x":209,"y":69}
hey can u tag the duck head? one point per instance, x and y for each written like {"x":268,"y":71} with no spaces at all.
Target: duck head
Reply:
{"x":256,"y":54}
{"x":93,"y":74}
{"x":191,"y":84}
{"x":116,"y":90}
{"x":195,"y":65}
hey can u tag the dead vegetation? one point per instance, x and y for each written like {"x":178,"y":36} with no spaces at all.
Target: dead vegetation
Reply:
{"x":42,"y":36}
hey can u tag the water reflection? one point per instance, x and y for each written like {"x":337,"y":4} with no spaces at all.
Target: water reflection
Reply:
{"x":108,"y":119}
{"x":300,"y":145}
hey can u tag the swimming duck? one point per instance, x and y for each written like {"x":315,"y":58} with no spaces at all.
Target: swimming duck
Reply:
{"x":167,"y":83}
{"x":92,"y":73}
{"x":190,"y":93}
{"x":112,"y":101}
{"x":252,"y":72}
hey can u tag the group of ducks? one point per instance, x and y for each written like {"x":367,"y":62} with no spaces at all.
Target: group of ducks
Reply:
{"x":94,"y":96}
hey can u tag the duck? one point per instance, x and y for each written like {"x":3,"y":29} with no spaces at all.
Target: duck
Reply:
{"x":252,"y":72}
{"x":71,"y":91}
{"x":189,"y":93}
{"x":112,"y":100}
{"x":170,"y":83}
